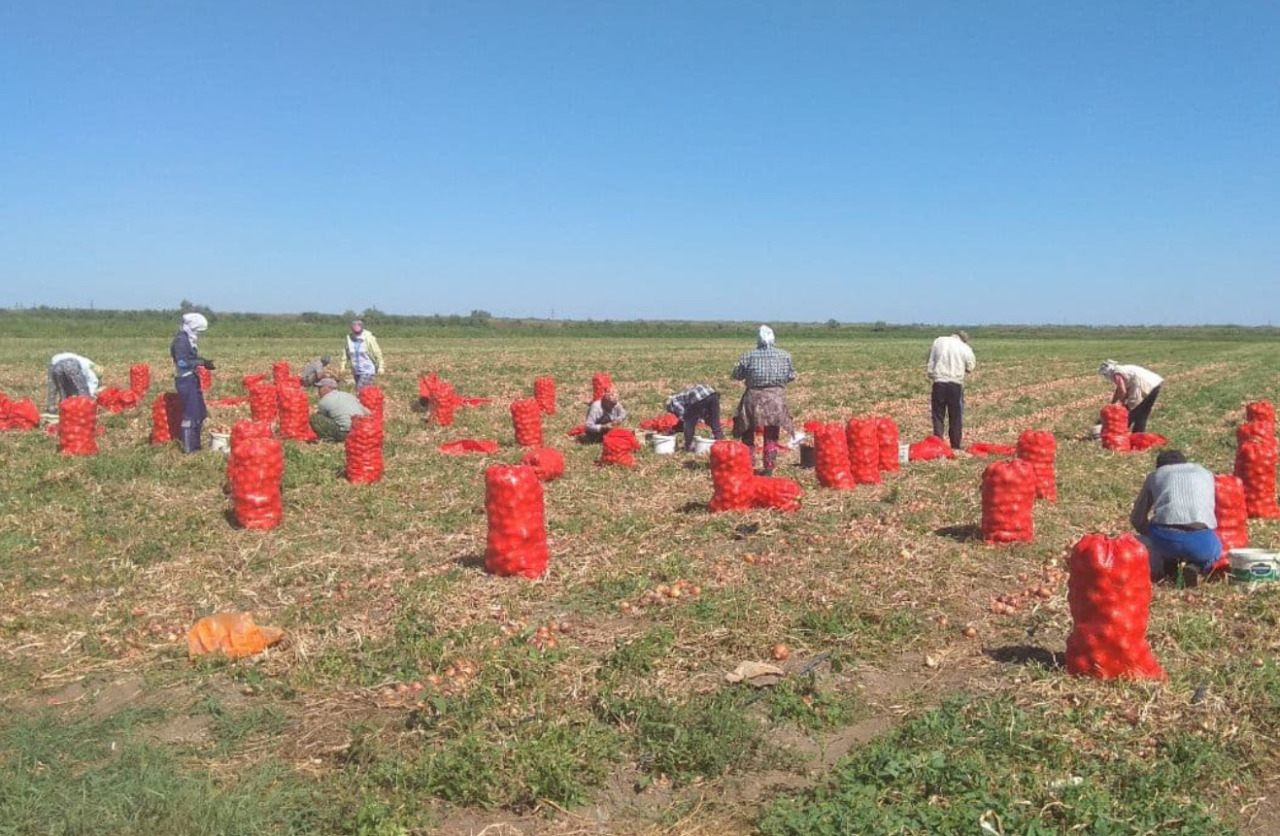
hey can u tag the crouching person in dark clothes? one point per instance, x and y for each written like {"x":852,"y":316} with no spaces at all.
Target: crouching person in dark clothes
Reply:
{"x":697,"y":403}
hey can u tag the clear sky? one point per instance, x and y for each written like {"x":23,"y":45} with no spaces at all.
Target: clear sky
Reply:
{"x":940,"y":162}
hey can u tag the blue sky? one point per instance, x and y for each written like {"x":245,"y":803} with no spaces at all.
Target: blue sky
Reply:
{"x":1027,"y":162}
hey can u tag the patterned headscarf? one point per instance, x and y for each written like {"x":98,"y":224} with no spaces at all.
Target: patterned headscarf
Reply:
{"x":764,"y":338}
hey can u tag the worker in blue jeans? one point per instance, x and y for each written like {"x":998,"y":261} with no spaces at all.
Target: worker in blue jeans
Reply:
{"x":1174,"y":516}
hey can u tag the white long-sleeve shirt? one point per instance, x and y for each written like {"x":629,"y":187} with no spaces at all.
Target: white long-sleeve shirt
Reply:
{"x":949,"y":359}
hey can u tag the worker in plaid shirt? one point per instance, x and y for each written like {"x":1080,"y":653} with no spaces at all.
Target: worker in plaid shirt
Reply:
{"x":766,"y":372}
{"x":697,"y":403}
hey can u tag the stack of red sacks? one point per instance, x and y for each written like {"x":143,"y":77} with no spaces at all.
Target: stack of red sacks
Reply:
{"x":77,"y":426}
{"x":139,"y":379}
{"x":18,"y":415}
{"x":295,"y":413}
{"x":1256,"y":457}
{"x":831,"y":456}
{"x":736,"y":488}
{"x":263,"y":400}
{"x":1109,"y":592}
{"x":364,"y":450}
{"x":547,"y":463}
{"x":1039,"y":448}
{"x":166,"y":417}
{"x":618,"y":445}
{"x":544,"y":392}
{"x":517,"y":539}
{"x":864,"y":450}
{"x":242,"y":431}
{"x":526,"y":419}
{"x":251,"y":380}
{"x":1115,"y":428}
{"x":887,"y":436}
{"x":255,"y":470}
{"x":373,"y":399}
{"x":1233,"y":518}
{"x":600,"y":383}
{"x":1008,"y":494}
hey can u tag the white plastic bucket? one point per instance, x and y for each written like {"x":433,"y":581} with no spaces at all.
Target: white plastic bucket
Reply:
{"x":702,"y":445}
{"x":1254,"y":565}
{"x":904,"y":453}
{"x":663,"y":445}
{"x":220,"y":442}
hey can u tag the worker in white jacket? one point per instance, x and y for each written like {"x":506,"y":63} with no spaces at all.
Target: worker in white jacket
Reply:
{"x":950,"y":359}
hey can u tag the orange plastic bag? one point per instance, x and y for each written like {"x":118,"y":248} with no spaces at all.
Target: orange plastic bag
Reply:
{"x":231,"y":633}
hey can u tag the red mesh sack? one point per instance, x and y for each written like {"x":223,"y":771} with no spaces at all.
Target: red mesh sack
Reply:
{"x":206,"y":378}
{"x":547,"y":462}
{"x":664,"y":423}
{"x":887,"y":439}
{"x":544,"y":392}
{"x":139,"y":379}
{"x":526,"y":418}
{"x":775,"y":492}
{"x":427,"y":382}
{"x":1008,"y":494}
{"x":982,"y":448}
{"x":731,"y":476}
{"x":1261,"y":431}
{"x":364,"y":450}
{"x":517,"y":540}
{"x":444,"y":401}
{"x":116,"y":400}
{"x":617,"y":447}
{"x":1109,"y":592}
{"x":1260,"y":411}
{"x":77,"y":426}
{"x":463,"y":446}
{"x":1233,"y":519}
{"x":373,"y":399}
{"x":255,"y":469}
{"x":18,"y":415}
{"x":1038,"y":448}
{"x":1145,"y":441}
{"x":166,"y":417}
{"x":831,"y":457}
{"x":263,"y":401}
{"x":251,"y":380}
{"x":600,"y":383}
{"x":242,"y":431}
{"x":864,"y":450}
{"x":1115,"y":427}
{"x":1256,"y":467}
{"x":295,"y":414}
{"x":280,"y":372}
{"x":930,"y":447}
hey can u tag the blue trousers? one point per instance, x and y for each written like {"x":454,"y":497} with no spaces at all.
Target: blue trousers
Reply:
{"x":1201,"y":548}
{"x":193,"y":412}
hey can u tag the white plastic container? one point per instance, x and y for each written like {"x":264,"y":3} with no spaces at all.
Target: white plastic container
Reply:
{"x":1253,"y":565}
{"x":904,"y":453}
{"x":702,"y":445}
{"x":663,"y":445}
{"x":220,"y":442}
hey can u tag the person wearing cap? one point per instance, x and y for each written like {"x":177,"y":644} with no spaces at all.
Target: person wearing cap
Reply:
{"x":70,"y":375}
{"x":334,"y":411}
{"x":1137,"y":388}
{"x":1175,"y":515}
{"x":363,"y":354}
{"x":312,"y":372}
{"x":185,"y":362}
{"x":697,"y":403}
{"x":603,"y":415}
{"x":950,"y":359}
{"x":766,"y":371}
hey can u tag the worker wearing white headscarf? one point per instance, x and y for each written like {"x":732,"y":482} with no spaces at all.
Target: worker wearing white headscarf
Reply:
{"x":185,"y":361}
{"x":70,"y":375}
{"x":766,"y":373}
{"x":1137,"y":388}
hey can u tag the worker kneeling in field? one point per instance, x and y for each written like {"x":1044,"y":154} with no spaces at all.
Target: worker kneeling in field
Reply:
{"x":70,"y":375}
{"x":1174,"y":515}
{"x":332,"y":418}
{"x":697,"y":403}
{"x":603,"y":415}
{"x":314,"y":371}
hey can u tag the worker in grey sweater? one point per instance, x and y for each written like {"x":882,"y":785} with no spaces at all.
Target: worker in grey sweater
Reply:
{"x":1174,"y":515}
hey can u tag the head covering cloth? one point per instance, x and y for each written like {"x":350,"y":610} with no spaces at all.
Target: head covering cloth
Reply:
{"x":764,"y":337}
{"x":192,"y":325}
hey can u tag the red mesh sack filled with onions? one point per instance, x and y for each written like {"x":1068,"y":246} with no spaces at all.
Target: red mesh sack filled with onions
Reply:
{"x":775,"y":492}
{"x":139,"y":379}
{"x":887,"y":439}
{"x":517,"y":538}
{"x":364,"y":450}
{"x":1256,"y":468}
{"x":1233,"y":518}
{"x":280,"y":372}
{"x":618,"y":447}
{"x":205,"y":377}
{"x":864,"y":450}
{"x":373,"y":399}
{"x":1039,"y":448}
{"x":1115,"y":427}
{"x":1109,"y":593}
{"x":1260,"y":411}
{"x":547,"y":462}
{"x":242,"y":431}
{"x":831,"y":457}
{"x":166,"y":417}
{"x":18,"y":415}
{"x":78,"y":426}
{"x":526,"y":419}
{"x":1008,"y":495}
{"x":733,"y":488}
{"x":601,"y":382}
{"x":295,"y":414}
{"x":255,"y":470}
{"x":928,"y":448}
{"x":544,"y":392}
{"x":263,"y":401}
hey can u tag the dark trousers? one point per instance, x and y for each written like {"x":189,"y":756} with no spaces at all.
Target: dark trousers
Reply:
{"x":947,"y":402}
{"x":707,"y":409}
{"x":193,"y":412}
{"x":1139,"y":414}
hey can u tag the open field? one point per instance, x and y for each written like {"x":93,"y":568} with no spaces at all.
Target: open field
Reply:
{"x":891,"y":721}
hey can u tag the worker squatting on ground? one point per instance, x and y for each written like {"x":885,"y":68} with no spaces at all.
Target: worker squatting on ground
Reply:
{"x":314,"y":370}
{"x":1174,"y":515}
{"x":185,"y":361}
{"x":70,"y":375}
{"x":950,"y":358}
{"x":603,"y":415}
{"x":332,"y":418}
{"x":697,"y":403}
{"x":766,"y":371}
